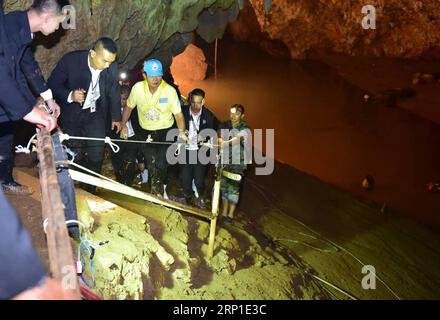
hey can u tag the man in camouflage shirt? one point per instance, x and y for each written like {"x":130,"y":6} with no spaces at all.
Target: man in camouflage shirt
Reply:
{"x":234,"y":142}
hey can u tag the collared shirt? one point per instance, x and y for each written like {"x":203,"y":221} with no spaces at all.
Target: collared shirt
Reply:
{"x":94,"y":93}
{"x":194,"y":129}
{"x":155,"y":110}
{"x":238,"y":155}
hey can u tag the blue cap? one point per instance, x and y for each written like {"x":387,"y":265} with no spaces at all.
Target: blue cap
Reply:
{"x":153,"y":68}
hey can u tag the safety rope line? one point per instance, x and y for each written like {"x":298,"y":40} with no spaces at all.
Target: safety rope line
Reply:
{"x":335,"y":245}
{"x":111,"y":142}
{"x":27,"y":150}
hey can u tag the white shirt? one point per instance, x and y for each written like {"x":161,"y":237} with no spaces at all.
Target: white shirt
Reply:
{"x":94,"y":93}
{"x":194,"y":129}
{"x":129,"y":126}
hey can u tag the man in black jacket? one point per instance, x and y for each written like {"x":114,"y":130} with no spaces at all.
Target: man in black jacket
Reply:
{"x":19,"y":69}
{"x":198,"y":119}
{"x":86,"y":84}
{"x":20,"y":267}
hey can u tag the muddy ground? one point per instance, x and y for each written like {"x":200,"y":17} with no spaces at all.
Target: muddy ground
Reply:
{"x":283,"y":245}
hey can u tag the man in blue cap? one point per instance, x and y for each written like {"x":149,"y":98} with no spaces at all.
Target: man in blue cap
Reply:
{"x":158,"y":106}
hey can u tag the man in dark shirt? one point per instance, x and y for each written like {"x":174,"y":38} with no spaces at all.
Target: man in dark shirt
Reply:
{"x":198,"y":119}
{"x":18,"y":31}
{"x":21,"y":273}
{"x":86,"y":84}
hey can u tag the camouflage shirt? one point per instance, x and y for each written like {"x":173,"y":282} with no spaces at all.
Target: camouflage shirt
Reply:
{"x":237,"y":156}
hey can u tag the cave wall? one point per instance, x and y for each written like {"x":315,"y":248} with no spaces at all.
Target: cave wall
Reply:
{"x":294,"y":28}
{"x":301,"y":28}
{"x":161,"y":28}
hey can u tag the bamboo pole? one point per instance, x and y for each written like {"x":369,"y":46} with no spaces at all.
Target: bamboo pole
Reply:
{"x":120,"y":188}
{"x":62,"y":266}
{"x":215,"y":208}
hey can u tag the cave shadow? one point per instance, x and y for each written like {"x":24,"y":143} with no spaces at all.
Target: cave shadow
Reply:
{"x":307,"y":200}
{"x":201,"y":273}
{"x":164,"y":277}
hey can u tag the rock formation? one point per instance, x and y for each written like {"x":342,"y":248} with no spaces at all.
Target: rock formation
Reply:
{"x":140,"y":28}
{"x":301,"y":28}
{"x":191,"y":64}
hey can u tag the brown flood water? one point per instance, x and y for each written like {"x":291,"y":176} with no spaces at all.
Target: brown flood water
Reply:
{"x":323,"y":128}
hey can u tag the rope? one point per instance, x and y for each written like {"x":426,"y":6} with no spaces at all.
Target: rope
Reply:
{"x":307,"y":245}
{"x":334,"y":287}
{"x":111,"y":142}
{"x":115,"y":148}
{"x":85,"y":247}
{"x":27,"y":150}
{"x":261,"y":191}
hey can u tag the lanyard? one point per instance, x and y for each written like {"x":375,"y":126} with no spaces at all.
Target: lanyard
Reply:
{"x":196,"y":126}
{"x":94,"y":86}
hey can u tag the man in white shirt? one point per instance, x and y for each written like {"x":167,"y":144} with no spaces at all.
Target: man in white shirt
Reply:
{"x":198,"y":119}
{"x":124,"y":162}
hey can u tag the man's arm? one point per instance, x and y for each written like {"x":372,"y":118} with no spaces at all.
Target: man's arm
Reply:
{"x":176,"y":109}
{"x":20,"y":267}
{"x":180,"y":121}
{"x":12,"y":101}
{"x":34,"y":75}
{"x":125,"y":117}
{"x":58,"y":80}
{"x":36,"y":80}
{"x":114,"y":94}
{"x":115,"y":98}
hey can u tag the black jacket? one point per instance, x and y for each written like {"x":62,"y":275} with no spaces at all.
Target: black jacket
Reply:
{"x":207,"y":120}
{"x":72,"y":72}
{"x":17,"y":67}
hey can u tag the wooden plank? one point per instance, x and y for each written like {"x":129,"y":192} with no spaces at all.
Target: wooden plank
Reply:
{"x":120,"y":188}
{"x":215,"y":208}
{"x":58,"y":241}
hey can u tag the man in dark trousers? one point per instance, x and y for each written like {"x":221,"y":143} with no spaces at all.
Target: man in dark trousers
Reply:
{"x":124,"y":162}
{"x":22,"y":274}
{"x":198,"y":118}
{"x":86,"y":84}
{"x":43,"y":16}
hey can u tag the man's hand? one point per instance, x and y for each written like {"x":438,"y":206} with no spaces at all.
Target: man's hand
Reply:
{"x":124,"y":132}
{"x":184,"y":136}
{"x":223,"y":143}
{"x":54,"y":107}
{"x":79,"y":96}
{"x":117,"y":125}
{"x":50,"y":290}
{"x":41,"y":118}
